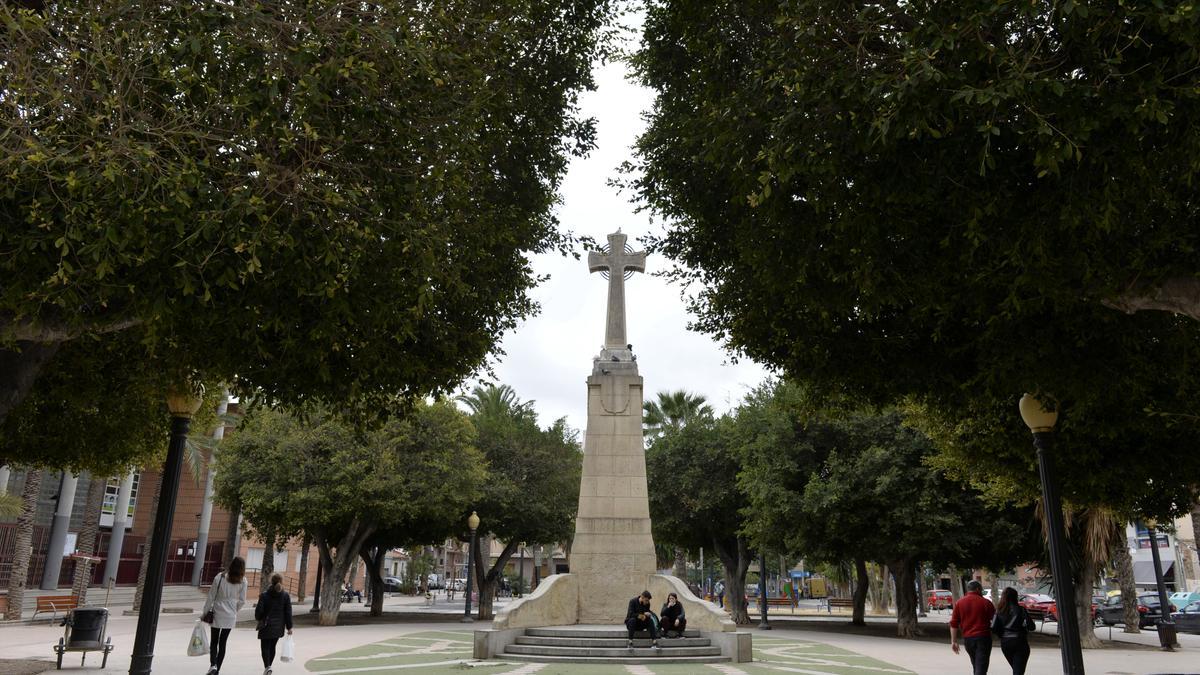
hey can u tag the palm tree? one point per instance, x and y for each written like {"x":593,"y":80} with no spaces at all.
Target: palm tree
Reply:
{"x":490,"y":400}
{"x":673,"y":410}
{"x":23,"y":550}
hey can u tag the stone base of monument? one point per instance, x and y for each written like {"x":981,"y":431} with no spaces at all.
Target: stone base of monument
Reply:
{"x":544,"y":627}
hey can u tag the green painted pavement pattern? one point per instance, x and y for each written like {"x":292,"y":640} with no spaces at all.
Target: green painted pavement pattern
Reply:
{"x":450,"y":652}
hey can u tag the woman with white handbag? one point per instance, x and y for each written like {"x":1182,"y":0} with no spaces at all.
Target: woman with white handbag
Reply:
{"x":225,"y":598}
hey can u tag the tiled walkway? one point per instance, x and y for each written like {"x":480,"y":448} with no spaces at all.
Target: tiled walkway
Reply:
{"x":450,"y":652}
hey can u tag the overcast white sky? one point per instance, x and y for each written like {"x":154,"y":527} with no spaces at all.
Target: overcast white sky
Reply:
{"x":549,"y":357}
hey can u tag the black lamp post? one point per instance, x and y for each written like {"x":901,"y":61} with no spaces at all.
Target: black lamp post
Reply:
{"x":537,"y":566}
{"x":1041,"y":422}
{"x":1166,"y":627}
{"x":182,"y":404}
{"x":762,"y":591}
{"x":473,"y":524}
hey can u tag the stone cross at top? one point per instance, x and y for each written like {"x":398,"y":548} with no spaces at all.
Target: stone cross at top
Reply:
{"x":616,"y":262}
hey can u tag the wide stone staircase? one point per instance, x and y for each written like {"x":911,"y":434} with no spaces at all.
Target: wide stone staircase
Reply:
{"x":603,"y":644}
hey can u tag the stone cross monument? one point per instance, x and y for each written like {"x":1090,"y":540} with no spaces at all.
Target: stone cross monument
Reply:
{"x":612,"y":556}
{"x":613,"y":553}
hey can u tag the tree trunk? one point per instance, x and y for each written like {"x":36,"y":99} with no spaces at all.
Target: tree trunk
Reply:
{"x":921,"y":590}
{"x":141,"y":582}
{"x":906,"y":598}
{"x":1124,"y":565}
{"x":373,"y":561}
{"x":735,"y":558}
{"x":23,"y":547}
{"x":268,"y":560}
{"x":1083,"y":604}
{"x":487,"y":581}
{"x":955,"y":583}
{"x":19,"y":368}
{"x":87,"y":536}
{"x":301,"y":587}
{"x":996,"y":586}
{"x":885,"y":588}
{"x":680,"y":570}
{"x":861,"y":586}
{"x":231,"y":539}
{"x":335,"y":562}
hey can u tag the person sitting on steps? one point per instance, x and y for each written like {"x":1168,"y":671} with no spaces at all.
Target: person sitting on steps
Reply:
{"x":639,"y":617}
{"x":673,"y":618}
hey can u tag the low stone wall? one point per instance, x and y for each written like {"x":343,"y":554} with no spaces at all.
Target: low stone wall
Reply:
{"x":554,"y":603}
{"x":701,"y":615}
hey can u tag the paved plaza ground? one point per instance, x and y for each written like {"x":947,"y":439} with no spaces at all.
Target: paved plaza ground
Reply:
{"x":426,"y":640}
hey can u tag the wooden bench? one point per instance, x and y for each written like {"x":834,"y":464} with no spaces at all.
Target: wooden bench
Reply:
{"x":55,"y":604}
{"x":840,"y":603}
{"x":781,"y":602}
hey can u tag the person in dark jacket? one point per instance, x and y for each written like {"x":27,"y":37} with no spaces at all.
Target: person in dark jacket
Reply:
{"x":1013,"y":624}
{"x":672,"y":616}
{"x":274,"y":614}
{"x":639,"y":617}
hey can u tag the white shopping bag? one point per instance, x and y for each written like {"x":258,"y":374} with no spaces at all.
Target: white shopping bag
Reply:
{"x":287,"y":653}
{"x":198,"y":645}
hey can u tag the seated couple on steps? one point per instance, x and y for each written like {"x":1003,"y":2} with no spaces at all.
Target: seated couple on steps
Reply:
{"x":639,"y":617}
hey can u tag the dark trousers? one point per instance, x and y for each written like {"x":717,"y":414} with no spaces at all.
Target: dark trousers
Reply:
{"x":634,"y":625}
{"x":216,"y":647}
{"x":980,"y":651}
{"x":268,"y":651}
{"x":1016,"y":650}
{"x":669,"y":625}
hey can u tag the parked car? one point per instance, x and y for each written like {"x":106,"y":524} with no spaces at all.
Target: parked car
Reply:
{"x":1188,"y":619}
{"x":1181,"y":599}
{"x":1149,"y":611}
{"x":1052,"y":612}
{"x":939,"y":599}
{"x":391,"y":585}
{"x":1037,"y":604}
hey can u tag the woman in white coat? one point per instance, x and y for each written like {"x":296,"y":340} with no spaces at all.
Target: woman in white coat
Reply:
{"x":225,"y":598}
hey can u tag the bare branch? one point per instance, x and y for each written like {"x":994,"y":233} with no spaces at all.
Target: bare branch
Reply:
{"x":48,"y":332}
{"x":1180,"y":295}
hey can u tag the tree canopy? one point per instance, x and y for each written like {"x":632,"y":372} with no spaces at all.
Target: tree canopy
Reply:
{"x":328,"y":202}
{"x":413,"y":479}
{"x":672,"y":409}
{"x":948,"y":201}
{"x":532,"y":491}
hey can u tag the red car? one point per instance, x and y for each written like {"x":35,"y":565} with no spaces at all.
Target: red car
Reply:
{"x":1052,"y":612}
{"x":939,"y":599}
{"x":1036,"y":604}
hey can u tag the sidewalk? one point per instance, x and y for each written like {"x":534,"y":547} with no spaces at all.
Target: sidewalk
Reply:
{"x":413,"y":638}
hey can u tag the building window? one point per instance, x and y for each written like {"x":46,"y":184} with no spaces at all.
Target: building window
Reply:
{"x":254,"y":558}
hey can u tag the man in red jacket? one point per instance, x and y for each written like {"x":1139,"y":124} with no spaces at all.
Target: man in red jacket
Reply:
{"x":972,"y":618}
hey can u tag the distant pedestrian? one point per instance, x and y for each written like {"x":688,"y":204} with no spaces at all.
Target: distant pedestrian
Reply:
{"x":1013,"y":624}
{"x":972,"y":618}
{"x":672,"y":617}
{"x":720,"y":591}
{"x":274,"y":614}
{"x":226,"y":596}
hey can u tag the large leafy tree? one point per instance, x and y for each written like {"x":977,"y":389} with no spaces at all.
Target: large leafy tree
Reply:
{"x":323,"y":201}
{"x":945,"y":200}
{"x":532,"y":490}
{"x":691,"y":474}
{"x":347,"y":488}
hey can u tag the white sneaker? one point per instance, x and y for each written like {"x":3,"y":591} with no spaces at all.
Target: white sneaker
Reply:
{"x":630,"y":645}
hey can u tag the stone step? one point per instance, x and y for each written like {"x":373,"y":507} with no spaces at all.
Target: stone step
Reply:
{"x":613,"y":643}
{"x":628,"y":659}
{"x":642,"y":652}
{"x":616,"y":632}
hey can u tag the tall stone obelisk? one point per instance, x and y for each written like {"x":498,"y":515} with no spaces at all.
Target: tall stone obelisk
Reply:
{"x":613,"y":552}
